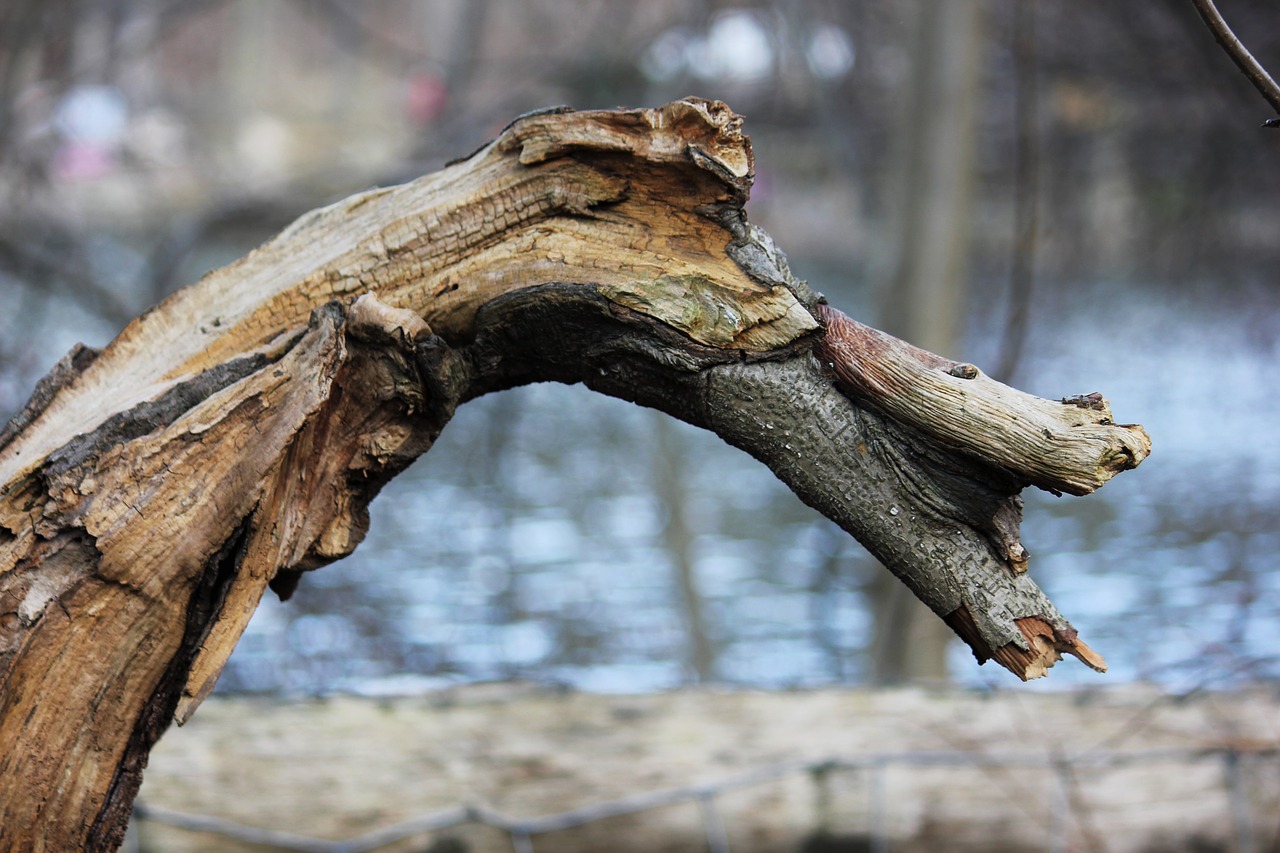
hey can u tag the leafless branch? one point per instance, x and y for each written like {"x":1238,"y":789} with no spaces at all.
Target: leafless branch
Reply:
{"x":1244,"y":60}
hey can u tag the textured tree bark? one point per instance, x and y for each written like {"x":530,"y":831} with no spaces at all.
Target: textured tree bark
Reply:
{"x":232,"y":437}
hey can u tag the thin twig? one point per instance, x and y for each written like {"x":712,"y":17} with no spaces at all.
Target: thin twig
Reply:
{"x":1244,"y":60}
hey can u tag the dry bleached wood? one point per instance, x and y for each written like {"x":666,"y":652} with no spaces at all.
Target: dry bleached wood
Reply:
{"x":1071,"y":445}
{"x":232,"y":437}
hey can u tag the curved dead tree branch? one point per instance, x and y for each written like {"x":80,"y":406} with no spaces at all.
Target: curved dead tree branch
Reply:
{"x":232,"y":437}
{"x":1240,"y":55}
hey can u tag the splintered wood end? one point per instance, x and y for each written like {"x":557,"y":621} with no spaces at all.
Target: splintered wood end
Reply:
{"x":1045,"y":645}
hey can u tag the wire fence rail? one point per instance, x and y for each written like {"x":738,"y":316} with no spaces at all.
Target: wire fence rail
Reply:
{"x":522,"y":831}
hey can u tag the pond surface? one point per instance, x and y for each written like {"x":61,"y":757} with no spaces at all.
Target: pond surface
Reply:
{"x":533,"y":541}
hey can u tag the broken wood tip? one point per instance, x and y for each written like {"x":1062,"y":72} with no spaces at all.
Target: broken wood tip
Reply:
{"x":1045,"y":645}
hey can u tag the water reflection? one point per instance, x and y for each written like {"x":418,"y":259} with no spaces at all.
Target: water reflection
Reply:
{"x":530,"y":541}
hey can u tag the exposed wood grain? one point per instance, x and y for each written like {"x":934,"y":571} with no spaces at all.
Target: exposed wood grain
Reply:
{"x":231,"y":438}
{"x":1071,"y":445}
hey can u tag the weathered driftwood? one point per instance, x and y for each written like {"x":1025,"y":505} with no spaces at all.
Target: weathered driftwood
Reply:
{"x":232,"y":437}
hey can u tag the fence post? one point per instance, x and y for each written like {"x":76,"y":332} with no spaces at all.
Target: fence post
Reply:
{"x":879,"y":807}
{"x":717,"y":837}
{"x":1241,"y":808}
{"x":1060,"y":808}
{"x":824,"y":813}
{"x":521,"y":841}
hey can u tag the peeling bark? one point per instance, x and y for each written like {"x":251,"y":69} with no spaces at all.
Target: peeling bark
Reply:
{"x":232,"y":437}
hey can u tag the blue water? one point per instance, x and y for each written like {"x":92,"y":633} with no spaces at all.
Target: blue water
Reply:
{"x":529,"y":541}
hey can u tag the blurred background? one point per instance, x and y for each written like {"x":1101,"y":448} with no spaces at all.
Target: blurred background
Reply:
{"x":1076,"y":196}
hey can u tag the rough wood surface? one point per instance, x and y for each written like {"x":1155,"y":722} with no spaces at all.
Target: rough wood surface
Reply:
{"x":232,"y":437}
{"x":1071,"y":445}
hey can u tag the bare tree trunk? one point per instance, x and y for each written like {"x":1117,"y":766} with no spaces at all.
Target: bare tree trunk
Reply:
{"x":938,"y":135}
{"x":232,"y":437}
{"x":670,"y":464}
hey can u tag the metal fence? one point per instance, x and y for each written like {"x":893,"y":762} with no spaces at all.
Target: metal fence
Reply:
{"x":1245,"y":831}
